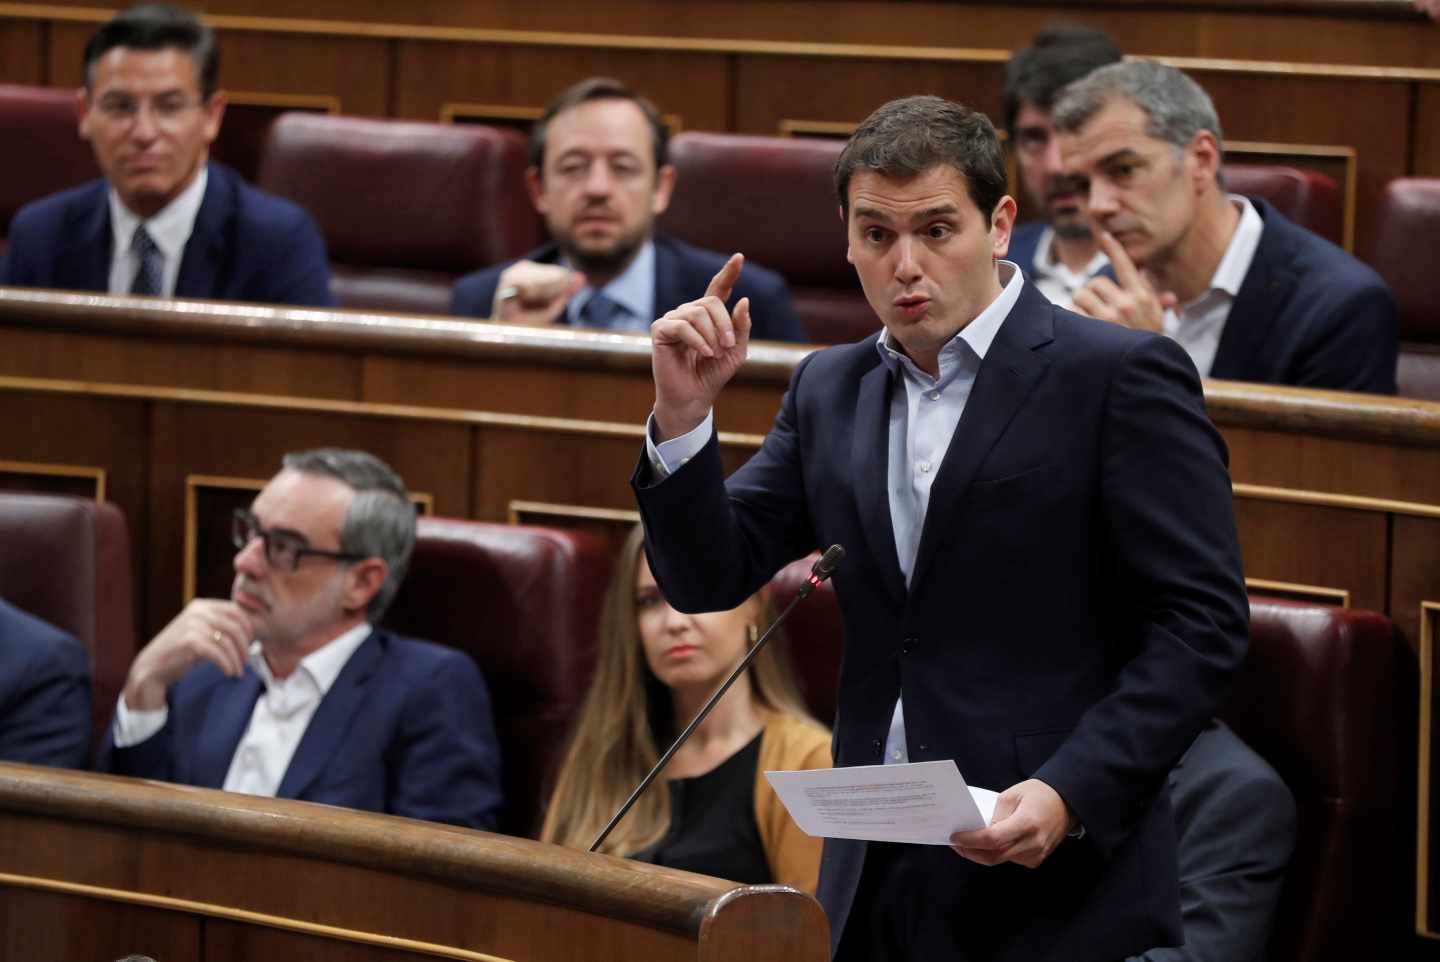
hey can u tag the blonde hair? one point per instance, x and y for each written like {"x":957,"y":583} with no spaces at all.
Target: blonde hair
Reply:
{"x":614,"y":741}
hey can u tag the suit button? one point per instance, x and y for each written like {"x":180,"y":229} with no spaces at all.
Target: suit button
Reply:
{"x":910,"y":644}
{"x":924,"y":748}
{"x":877,"y":746}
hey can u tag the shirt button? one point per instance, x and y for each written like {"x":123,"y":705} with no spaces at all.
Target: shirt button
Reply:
{"x":934,"y":395}
{"x":924,"y":467}
{"x":896,"y":755}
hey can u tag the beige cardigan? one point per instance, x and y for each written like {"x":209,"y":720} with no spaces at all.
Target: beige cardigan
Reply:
{"x":788,"y":744}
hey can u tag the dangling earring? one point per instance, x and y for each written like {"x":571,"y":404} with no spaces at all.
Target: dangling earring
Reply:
{"x":752,"y":633}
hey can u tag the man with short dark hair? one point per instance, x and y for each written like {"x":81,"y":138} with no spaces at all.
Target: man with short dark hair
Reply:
{"x":1043,"y":580}
{"x":1248,"y":294}
{"x":164,"y":220}
{"x":288,"y":689}
{"x":599,"y":175}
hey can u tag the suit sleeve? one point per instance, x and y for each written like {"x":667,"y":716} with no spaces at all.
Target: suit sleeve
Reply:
{"x":301,"y":273}
{"x":1236,"y":822}
{"x":446,"y":762}
{"x":1355,"y":347}
{"x":152,"y":758}
{"x":1181,"y":611}
{"x":474,"y":293}
{"x":16,"y":267}
{"x":711,"y":543}
{"x":49,"y":722}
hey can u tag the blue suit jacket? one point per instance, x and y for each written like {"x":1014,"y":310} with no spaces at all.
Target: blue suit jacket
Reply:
{"x":682,"y":272}
{"x":1310,"y":315}
{"x":44,"y":693}
{"x":246,"y":245}
{"x":406,"y":729}
{"x":1075,"y":611}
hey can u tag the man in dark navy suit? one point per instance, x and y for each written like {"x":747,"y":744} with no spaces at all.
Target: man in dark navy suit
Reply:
{"x":163,"y":221}
{"x":1044,"y":578}
{"x":287,"y":689}
{"x":1248,"y":294}
{"x":599,"y":177}
{"x":44,"y":693}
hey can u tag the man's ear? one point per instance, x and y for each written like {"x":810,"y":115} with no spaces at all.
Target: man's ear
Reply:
{"x":535,"y":188}
{"x":214,"y":113}
{"x":664,"y":187}
{"x":82,"y":113}
{"x":364,"y":579}
{"x":1002,"y":225}
{"x":1205,"y":152}
{"x":849,"y":257}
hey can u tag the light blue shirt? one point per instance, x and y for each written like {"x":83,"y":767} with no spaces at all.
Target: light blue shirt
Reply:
{"x":923,"y":419}
{"x":633,"y":290}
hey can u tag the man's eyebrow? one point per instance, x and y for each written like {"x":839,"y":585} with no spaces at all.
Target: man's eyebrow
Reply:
{"x":1123,"y":154}
{"x":929,"y":213}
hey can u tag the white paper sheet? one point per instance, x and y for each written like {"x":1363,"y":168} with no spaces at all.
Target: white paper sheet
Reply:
{"x":922,"y":802}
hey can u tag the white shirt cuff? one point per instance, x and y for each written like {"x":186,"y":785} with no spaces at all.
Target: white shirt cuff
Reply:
{"x":669,"y":456}
{"x":133,"y":727}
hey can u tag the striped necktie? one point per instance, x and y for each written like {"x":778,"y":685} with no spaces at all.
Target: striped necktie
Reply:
{"x":601,"y":311}
{"x":152,"y":263}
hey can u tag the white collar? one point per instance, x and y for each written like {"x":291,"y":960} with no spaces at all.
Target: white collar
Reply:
{"x":1050,"y":266}
{"x":323,"y":665}
{"x":170,"y":229}
{"x":1240,"y":252}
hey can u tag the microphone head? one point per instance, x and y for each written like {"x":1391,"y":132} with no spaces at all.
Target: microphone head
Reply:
{"x":828,"y":562}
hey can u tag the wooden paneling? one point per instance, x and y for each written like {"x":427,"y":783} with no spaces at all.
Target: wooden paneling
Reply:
{"x":1296,"y":543}
{"x":773,"y":89}
{"x":22,"y":47}
{"x":50,"y":925}
{"x":1311,"y":461}
{"x":233,"y":942}
{"x":1416,"y":574}
{"x":1372,"y":117}
{"x":695,"y":87}
{"x":1427,"y":129}
{"x":355,"y":71}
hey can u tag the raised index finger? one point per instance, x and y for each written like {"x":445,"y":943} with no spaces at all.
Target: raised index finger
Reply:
{"x":1125,"y":270}
{"x":724,"y":282}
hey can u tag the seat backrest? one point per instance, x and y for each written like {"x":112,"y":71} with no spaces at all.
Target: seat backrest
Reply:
{"x":524,"y":602}
{"x":46,"y":153}
{"x":67,"y":561}
{"x":773,"y":199}
{"x":1307,"y":197}
{"x":1317,"y":698}
{"x":815,"y":635}
{"x":405,"y":207}
{"x":1402,"y":249}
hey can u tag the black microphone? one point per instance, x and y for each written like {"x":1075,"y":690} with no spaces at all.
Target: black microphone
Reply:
{"x":819,"y":571}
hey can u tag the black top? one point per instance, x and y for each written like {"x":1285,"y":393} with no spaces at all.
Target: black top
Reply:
{"x":712,"y":823}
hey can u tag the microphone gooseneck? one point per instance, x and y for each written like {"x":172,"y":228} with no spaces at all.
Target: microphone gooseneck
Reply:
{"x":820,"y":571}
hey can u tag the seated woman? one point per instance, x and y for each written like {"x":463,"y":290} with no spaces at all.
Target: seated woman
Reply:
{"x":711,"y":811}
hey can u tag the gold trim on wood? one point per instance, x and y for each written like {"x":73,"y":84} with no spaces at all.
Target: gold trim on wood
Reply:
{"x":324,"y":103}
{"x":817,"y":128}
{"x":244,"y":915}
{"x":42,"y":469}
{"x":450,"y":111}
{"x":1346,"y":155}
{"x":1299,"y":592}
{"x":1429,"y":612}
{"x":563,"y":511}
{"x":1325,"y":499}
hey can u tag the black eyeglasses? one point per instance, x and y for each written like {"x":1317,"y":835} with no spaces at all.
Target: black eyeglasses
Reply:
{"x":283,"y":549}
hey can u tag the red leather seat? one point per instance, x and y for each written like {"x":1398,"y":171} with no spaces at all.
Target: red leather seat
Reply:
{"x":405,"y":207}
{"x":1316,"y":698}
{"x":1402,"y":249}
{"x":1307,"y":197}
{"x":773,"y":199}
{"x":67,"y":561}
{"x":524,"y":603}
{"x":45,"y":152}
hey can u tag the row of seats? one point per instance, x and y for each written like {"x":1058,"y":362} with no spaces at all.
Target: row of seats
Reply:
{"x":407,"y":207}
{"x":1315,"y":696}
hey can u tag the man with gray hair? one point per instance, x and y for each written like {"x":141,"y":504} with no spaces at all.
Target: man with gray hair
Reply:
{"x":289,"y":690}
{"x":1248,"y":294}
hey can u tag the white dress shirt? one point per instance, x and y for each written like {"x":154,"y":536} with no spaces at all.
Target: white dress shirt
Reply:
{"x":1199,"y":324}
{"x":923,"y":419}
{"x":278,"y":721}
{"x":633,"y":290}
{"x":170,"y":230}
{"x":1056,"y":281}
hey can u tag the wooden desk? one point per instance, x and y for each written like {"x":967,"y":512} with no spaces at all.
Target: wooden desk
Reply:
{"x":97,"y":867}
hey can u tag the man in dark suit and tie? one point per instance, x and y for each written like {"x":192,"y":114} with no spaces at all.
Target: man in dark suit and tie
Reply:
{"x":1044,"y":578}
{"x":1248,"y":294}
{"x":44,"y":693}
{"x":288,"y":689}
{"x":599,"y":177}
{"x":164,"y":220}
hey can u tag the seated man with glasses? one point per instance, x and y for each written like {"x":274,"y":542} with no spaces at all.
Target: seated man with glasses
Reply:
{"x":288,"y":689}
{"x":164,"y":220}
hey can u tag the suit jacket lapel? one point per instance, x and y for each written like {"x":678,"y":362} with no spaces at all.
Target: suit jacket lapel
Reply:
{"x":225,"y":725}
{"x":1009,"y":372}
{"x":204,"y":256}
{"x":84,"y":265}
{"x":1263,"y":294}
{"x":870,"y":467}
{"x":326,"y":732}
